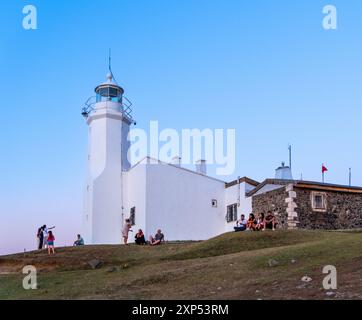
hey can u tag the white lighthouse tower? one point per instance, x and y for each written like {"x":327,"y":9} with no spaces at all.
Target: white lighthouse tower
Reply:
{"x":109,"y":120}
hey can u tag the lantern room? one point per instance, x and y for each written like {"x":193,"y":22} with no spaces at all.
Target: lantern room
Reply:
{"x":109,"y":91}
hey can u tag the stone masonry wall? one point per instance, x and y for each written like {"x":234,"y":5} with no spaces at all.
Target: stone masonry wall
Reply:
{"x":344,"y":210}
{"x":273,"y":201}
{"x":293,"y":208}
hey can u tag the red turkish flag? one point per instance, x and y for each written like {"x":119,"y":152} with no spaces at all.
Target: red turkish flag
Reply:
{"x":324,"y":168}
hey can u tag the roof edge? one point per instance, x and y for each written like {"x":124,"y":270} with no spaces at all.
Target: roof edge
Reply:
{"x":307,"y":185}
{"x":241,"y":180}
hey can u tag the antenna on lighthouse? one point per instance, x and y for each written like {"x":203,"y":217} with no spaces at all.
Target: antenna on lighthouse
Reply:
{"x":110,"y":60}
{"x":110,"y":66}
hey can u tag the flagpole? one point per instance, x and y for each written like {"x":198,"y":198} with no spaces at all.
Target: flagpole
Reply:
{"x":322,"y":173}
{"x":324,"y":169}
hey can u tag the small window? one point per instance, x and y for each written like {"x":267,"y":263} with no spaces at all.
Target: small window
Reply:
{"x":214,"y":203}
{"x":232,"y":213}
{"x":132,"y":216}
{"x":319,"y":201}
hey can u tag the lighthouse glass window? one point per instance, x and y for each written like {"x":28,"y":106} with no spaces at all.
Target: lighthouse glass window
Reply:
{"x":109,"y":94}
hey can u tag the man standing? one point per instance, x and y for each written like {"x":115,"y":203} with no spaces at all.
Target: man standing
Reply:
{"x":40,"y":237}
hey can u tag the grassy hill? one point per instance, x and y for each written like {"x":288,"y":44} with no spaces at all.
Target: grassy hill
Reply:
{"x":231,"y":266}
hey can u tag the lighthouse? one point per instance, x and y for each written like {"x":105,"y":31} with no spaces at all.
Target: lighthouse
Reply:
{"x":109,"y":119}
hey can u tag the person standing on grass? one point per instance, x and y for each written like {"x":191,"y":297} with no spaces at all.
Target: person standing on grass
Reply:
{"x":45,"y":235}
{"x":50,"y":242}
{"x":126,"y":229}
{"x":40,"y":238}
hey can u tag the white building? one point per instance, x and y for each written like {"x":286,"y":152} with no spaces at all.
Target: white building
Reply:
{"x":185,"y":204}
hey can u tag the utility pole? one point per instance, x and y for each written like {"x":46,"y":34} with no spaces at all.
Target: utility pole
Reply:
{"x":290,"y":156}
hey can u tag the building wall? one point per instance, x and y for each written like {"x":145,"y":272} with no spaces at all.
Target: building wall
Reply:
{"x":232,"y":196}
{"x":179,"y":202}
{"x":134,"y":195}
{"x":236,"y":194}
{"x":344,"y":211}
{"x":273,"y":201}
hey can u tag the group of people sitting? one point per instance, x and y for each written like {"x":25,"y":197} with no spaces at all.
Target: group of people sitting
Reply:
{"x":140,"y":237}
{"x":153,"y":241}
{"x":256,"y":224}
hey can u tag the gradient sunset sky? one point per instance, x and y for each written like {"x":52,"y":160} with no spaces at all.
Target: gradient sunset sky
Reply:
{"x":266,"y":68}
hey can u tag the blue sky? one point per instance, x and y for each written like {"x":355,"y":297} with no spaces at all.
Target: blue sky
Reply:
{"x":266,"y":68}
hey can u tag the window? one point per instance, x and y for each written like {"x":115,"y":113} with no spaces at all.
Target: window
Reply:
{"x":232,"y":213}
{"x":319,"y":201}
{"x":132,"y":216}
{"x":214,"y":203}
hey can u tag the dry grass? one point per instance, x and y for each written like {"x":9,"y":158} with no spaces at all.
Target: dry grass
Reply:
{"x":232,"y":266}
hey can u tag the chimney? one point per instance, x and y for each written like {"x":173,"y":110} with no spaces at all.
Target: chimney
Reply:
{"x":283,"y":173}
{"x":201,"y":167}
{"x":176,"y":161}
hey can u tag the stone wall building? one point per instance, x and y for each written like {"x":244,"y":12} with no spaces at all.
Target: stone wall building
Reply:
{"x":309,"y":205}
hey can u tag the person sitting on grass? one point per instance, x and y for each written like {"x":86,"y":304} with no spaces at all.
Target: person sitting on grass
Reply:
{"x":79,"y":241}
{"x":261,"y":222}
{"x":270,"y":221}
{"x":140,"y":238}
{"x":158,"y":239}
{"x":251,"y":224}
{"x":240,"y":224}
{"x":50,"y":242}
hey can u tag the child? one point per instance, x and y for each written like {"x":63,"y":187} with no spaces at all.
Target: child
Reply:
{"x":126,"y":229}
{"x":50,"y":242}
